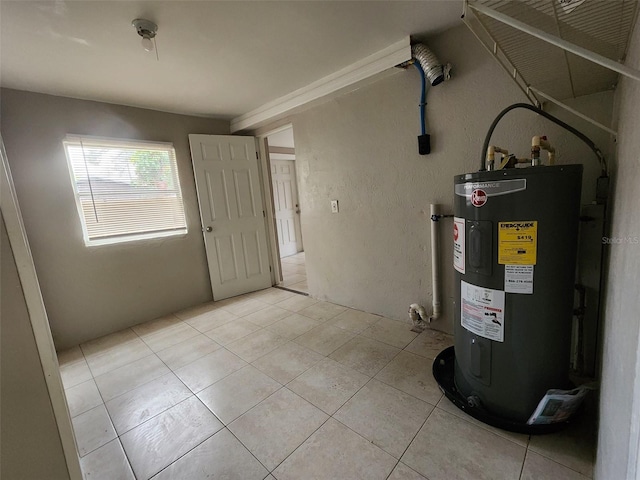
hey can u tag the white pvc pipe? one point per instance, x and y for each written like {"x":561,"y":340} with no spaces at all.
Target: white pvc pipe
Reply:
{"x":435,"y":262}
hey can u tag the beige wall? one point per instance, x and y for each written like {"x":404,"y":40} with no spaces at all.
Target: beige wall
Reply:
{"x":89,"y":292}
{"x":619,"y":421}
{"x":31,"y":447}
{"x":361,"y":149}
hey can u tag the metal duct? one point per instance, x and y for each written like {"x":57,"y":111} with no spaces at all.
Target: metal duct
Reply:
{"x":429,"y":62}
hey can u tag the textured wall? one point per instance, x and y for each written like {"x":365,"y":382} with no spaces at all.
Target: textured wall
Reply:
{"x":92,"y":291}
{"x":619,"y":410}
{"x":361,"y":149}
{"x":31,"y":447}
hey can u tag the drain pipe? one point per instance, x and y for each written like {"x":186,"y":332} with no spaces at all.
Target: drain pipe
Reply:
{"x":435,"y":262}
{"x":417,"y":313}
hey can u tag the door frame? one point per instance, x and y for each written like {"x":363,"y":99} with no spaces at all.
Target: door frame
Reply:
{"x":37,"y":315}
{"x":267,"y":189}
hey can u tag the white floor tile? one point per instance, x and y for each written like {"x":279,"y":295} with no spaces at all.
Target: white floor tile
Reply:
{"x":273,"y":295}
{"x":365,"y":355}
{"x":322,"y":311}
{"x":126,"y":378}
{"x":211,"y":319}
{"x":159,"y":442}
{"x":108,"y":462}
{"x":296,"y":303}
{"x":267,"y":316}
{"x":93,"y":429}
{"x":209,"y":369}
{"x":73,"y":367}
{"x":402,"y":472}
{"x":335,"y":452}
{"x":354,"y":320}
{"x":573,"y":447}
{"x":537,"y":467}
{"x":448,"y":448}
{"x":328,"y":385}
{"x":166,"y":428}
{"x":300,"y":286}
{"x":139,"y":405}
{"x":411,"y":374}
{"x":194,"y":312}
{"x":155,"y":326}
{"x":167,"y":337}
{"x":446,"y":405}
{"x":277,"y":426}
{"x":83,"y":397}
{"x":246,"y":307}
{"x":219,"y":457}
{"x":293,"y":326}
{"x":324,"y":339}
{"x":287,"y":362}
{"x":256,"y":344}
{"x":385,"y":416}
{"x":187,"y":351}
{"x":113,"y":351}
{"x":232,"y":331}
{"x":234,"y":395}
{"x":430,"y":343}
{"x":389,"y":331}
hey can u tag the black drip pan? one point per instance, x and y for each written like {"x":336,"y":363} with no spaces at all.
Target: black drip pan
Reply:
{"x":443,"y":368}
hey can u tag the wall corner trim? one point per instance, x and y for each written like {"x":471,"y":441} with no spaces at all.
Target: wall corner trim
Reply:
{"x":378,"y":62}
{"x":39,"y":321}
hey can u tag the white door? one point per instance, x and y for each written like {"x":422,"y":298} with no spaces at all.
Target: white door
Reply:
{"x":232,"y":213}
{"x":285,"y":200}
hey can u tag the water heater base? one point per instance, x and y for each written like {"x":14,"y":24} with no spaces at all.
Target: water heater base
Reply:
{"x":443,"y":368}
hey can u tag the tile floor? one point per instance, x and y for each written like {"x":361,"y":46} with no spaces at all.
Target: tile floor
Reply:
{"x":294,"y":273}
{"x":274,"y":385}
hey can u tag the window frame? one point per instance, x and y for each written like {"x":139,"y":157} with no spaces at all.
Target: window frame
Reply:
{"x":111,"y":142}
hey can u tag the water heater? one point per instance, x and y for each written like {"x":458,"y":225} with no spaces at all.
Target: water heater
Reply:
{"x":515,"y":234}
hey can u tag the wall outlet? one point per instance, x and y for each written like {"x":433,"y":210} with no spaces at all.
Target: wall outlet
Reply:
{"x":334,"y":206}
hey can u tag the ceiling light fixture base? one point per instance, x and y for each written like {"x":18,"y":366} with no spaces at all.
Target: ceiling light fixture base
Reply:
{"x":145,"y":28}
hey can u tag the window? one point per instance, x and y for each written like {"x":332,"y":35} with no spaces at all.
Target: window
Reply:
{"x":125,"y":190}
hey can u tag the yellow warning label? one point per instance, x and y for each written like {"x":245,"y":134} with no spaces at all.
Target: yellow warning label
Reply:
{"x":517,"y":243}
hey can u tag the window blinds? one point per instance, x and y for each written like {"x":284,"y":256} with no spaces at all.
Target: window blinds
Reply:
{"x":125,"y":190}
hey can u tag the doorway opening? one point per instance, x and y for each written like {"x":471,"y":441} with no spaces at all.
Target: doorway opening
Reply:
{"x":286,"y":202}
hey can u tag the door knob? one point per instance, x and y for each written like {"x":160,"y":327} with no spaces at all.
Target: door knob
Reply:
{"x":209,"y":229}
{"x":298,"y":210}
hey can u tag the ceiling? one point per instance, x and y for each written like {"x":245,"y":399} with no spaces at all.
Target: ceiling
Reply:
{"x":216,"y":58}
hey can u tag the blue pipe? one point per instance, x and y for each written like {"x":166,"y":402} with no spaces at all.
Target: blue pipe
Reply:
{"x":423,"y":95}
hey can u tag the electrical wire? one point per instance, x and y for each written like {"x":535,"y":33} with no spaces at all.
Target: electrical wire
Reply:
{"x":423,"y":96}
{"x":548,"y":116}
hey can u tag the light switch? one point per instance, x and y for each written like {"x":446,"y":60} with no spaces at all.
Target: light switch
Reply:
{"x":334,"y":206}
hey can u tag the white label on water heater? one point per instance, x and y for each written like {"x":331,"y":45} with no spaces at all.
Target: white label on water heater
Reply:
{"x":518,"y":279}
{"x":458,"y":244}
{"x":482,"y":311}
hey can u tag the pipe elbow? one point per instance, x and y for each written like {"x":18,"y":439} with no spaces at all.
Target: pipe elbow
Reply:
{"x":535,"y":141}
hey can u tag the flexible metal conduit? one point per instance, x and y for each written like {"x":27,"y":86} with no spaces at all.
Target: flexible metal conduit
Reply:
{"x":429,"y":63}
